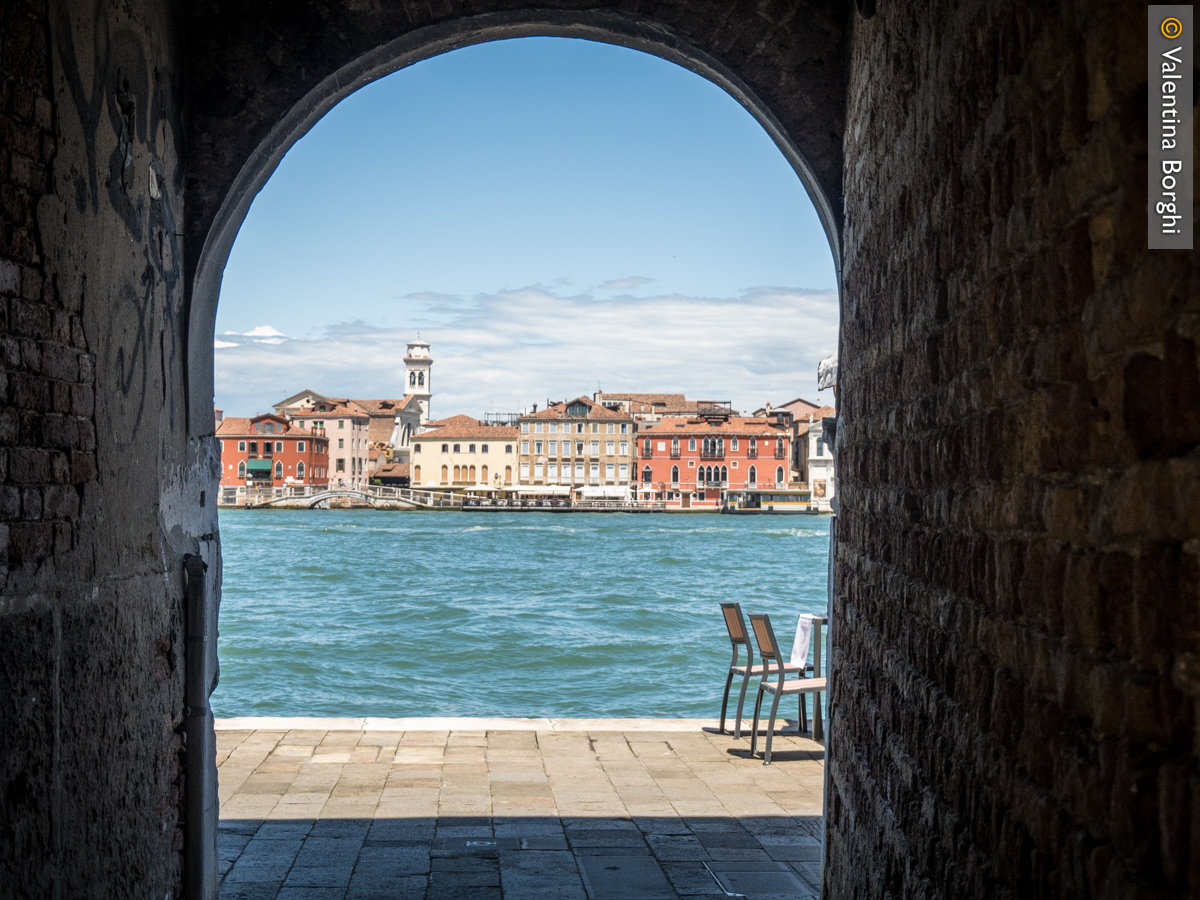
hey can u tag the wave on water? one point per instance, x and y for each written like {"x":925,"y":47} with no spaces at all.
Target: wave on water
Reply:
{"x":334,"y":612}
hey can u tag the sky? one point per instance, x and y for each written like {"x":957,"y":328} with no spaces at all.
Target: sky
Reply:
{"x":555,"y":217}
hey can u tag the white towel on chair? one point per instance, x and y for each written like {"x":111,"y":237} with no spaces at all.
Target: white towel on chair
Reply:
{"x":804,"y":627}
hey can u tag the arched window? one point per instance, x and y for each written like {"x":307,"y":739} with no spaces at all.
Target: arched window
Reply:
{"x":483,"y":474}
{"x":421,"y":378}
{"x":647,"y":475}
{"x":753,"y":475}
{"x":241,"y":471}
{"x":674,"y":445}
{"x":416,"y":477}
{"x":674,"y":474}
{"x":646,"y":446}
{"x":471,"y":478}
{"x":779,"y":474}
{"x":278,"y":469}
{"x":724,"y":475}
{"x":779,"y":446}
{"x":300,"y":471}
{"x":412,"y":377}
{"x":445,"y":472}
{"x":508,"y":474}
{"x":457,"y":476}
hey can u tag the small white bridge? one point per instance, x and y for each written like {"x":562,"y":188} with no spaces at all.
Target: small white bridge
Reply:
{"x":374,"y":495}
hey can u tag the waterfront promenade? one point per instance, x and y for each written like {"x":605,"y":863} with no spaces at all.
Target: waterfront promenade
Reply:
{"x":561,"y":809}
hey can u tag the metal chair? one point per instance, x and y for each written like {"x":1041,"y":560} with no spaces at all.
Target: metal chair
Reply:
{"x":774,"y":682}
{"x":735,"y":624}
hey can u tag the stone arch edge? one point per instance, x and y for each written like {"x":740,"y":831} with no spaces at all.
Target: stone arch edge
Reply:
{"x":423,"y":43}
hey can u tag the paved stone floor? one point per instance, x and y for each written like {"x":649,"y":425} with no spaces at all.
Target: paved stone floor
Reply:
{"x":519,"y":814}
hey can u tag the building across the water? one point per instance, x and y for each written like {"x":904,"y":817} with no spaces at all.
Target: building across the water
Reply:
{"x":577,"y":448}
{"x":814,"y":456}
{"x":647,"y":407}
{"x":462,"y":453}
{"x":693,"y":462}
{"x":267,"y":453}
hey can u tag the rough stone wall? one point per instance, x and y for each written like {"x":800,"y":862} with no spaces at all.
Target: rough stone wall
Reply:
{"x":96,"y":497}
{"x":1017,"y":671}
{"x":250,"y":63}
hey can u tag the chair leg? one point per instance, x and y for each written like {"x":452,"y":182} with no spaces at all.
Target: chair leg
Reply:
{"x":803,"y":714}
{"x":754,"y":725}
{"x":737,"y":728}
{"x":818,"y":725}
{"x":771,"y":729}
{"x":725,"y":700}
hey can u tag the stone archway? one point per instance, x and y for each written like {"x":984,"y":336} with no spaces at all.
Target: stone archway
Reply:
{"x":223,"y":197}
{"x":226,"y":186}
{"x":1016,"y":690}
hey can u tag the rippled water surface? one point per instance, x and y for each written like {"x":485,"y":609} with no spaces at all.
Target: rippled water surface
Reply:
{"x":363,"y":613}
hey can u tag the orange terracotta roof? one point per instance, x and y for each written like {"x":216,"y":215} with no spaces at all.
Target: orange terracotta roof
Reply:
{"x":641,"y":402}
{"x":822,"y":413}
{"x":344,"y":411}
{"x":595,"y":411}
{"x":438,"y":423}
{"x":394,"y":470}
{"x":239,"y":426}
{"x":234,"y":425}
{"x":672,"y":425}
{"x":382,"y":407}
{"x":467,"y":427}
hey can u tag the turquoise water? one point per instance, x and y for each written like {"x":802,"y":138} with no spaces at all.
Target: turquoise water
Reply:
{"x":363,"y":613}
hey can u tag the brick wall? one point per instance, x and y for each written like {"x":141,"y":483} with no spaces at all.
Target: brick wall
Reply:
{"x":91,"y":447}
{"x":1017,"y":610}
{"x":47,"y":435}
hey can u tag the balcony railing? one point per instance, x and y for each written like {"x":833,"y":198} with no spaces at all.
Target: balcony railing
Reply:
{"x":713,"y":453}
{"x":675,"y":453}
{"x":780,"y":453}
{"x":752,"y":453}
{"x":646,"y":452}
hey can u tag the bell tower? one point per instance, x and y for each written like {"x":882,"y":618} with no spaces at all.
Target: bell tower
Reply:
{"x":417,"y":365}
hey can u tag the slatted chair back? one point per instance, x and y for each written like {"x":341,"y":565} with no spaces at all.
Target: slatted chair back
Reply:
{"x":768,"y":647}
{"x":735,"y":624}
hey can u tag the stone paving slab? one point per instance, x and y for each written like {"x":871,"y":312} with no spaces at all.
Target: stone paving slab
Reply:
{"x":649,"y":809}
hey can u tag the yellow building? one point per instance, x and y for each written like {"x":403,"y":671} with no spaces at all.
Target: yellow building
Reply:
{"x":463,"y":453}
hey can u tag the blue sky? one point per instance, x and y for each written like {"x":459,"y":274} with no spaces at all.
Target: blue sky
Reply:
{"x":554,"y":216}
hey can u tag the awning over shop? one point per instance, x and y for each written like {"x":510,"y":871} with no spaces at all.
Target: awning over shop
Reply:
{"x":543,"y":490}
{"x":258,"y":465}
{"x":604,"y":492}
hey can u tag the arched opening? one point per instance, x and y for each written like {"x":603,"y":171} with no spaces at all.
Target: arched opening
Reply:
{"x":599,"y":472}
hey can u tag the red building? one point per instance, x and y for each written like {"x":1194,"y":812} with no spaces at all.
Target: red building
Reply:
{"x":265,"y":454}
{"x":691,"y":462}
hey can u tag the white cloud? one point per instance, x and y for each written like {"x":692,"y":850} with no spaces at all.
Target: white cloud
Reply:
{"x":504,"y":351}
{"x":221,"y":345}
{"x":625,"y":284}
{"x":264,"y":331}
